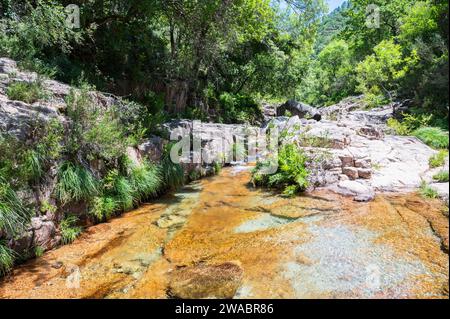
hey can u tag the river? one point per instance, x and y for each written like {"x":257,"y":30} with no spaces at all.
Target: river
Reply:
{"x":221,"y":238}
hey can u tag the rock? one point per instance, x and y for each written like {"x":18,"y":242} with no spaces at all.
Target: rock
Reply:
{"x":170,"y":221}
{"x":153,"y":148}
{"x":44,"y":236}
{"x":343,"y":177}
{"x":206,"y":281}
{"x":353,"y":188}
{"x":363,"y":163}
{"x":365,"y":173}
{"x":299,"y":109}
{"x":347,"y":161}
{"x":351,"y":172}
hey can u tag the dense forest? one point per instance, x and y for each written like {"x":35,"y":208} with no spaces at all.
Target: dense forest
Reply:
{"x":217,"y":59}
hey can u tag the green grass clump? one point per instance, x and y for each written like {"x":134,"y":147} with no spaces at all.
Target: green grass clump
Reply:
{"x":441,"y":177}
{"x":7,"y":257}
{"x":291,"y":175}
{"x":438,"y":159}
{"x":172,"y":173}
{"x":69,"y":229}
{"x":28,"y":92}
{"x":13,"y":214}
{"x":427,"y":191}
{"x":75,"y":183}
{"x":433,"y":137}
{"x":146,"y":181}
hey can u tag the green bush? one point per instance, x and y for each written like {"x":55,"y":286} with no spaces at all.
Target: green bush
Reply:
{"x":75,"y":183}
{"x":239,"y":109}
{"x":292,"y":174}
{"x":28,"y":92}
{"x":103,"y":208}
{"x":69,"y":229}
{"x":427,"y":191}
{"x":433,"y":136}
{"x":441,"y":177}
{"x":438,"y":159}
{"x":94,"y":133}
{"x":7,"y":257}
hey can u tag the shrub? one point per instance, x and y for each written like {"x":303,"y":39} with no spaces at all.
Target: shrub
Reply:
{"x":433,"y":136}
{"x":292,"y":174}
{"x":69,"y":229}
{"x":7,"y":257}
{"x":28,"y":92}
{"x":441,"y":177}
{"x":103,"y":208}
{"x":239,"y":109}
{"x":95,"y":133}
{"x":438,"y":159}
{"x":427,"y":191}
{"x":398,"y":127}
{"x":75,"y":183}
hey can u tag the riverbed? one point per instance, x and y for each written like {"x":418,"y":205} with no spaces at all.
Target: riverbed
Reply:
{"x":221,"y":238}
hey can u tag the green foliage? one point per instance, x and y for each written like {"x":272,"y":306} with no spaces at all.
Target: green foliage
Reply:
{"x":172,"y":173}
{"x":95,"y":133}
{"x":379,"y":73}
{"x":120,"y":189}
{"x":291,"y":175}
{"x":239,"y":109}
{"x":409,"y":123}
{"x":75,"y":183}
{"x":433,"y":136}
{"x":103,"y":208}
{"x":146,"y":181}
{"x":441,"y":177}
{"x":427,"y":191}
{"x":13,"y":213}
{"x":39,"y":251}
{"x":438,"y":159}
{"x":28,"y":92}
{"x":7,"y":257}
{"x":69,"y":229}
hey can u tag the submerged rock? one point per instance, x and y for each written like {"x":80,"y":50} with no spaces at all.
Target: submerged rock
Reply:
{"x":206,"y":281}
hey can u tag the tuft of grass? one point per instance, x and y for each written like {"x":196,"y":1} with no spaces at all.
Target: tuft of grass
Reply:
{"x":427,"y":191}
{"x":441,"y":177}
{"x":75,"y":183}
{"x":39,"y":251}
{"x":28,"y":92}
{"x":172,"y":173}
{"x":13,"y":214}
{"x":146,"y":181}
{"x":433,"y":137}
{"x":120,"y":189}
{"x":438,"y":159}
{"x":69,"y":229}
{"x":7,"y":257}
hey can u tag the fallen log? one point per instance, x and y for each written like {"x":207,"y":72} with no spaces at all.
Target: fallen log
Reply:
{"x":302,"y":110}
